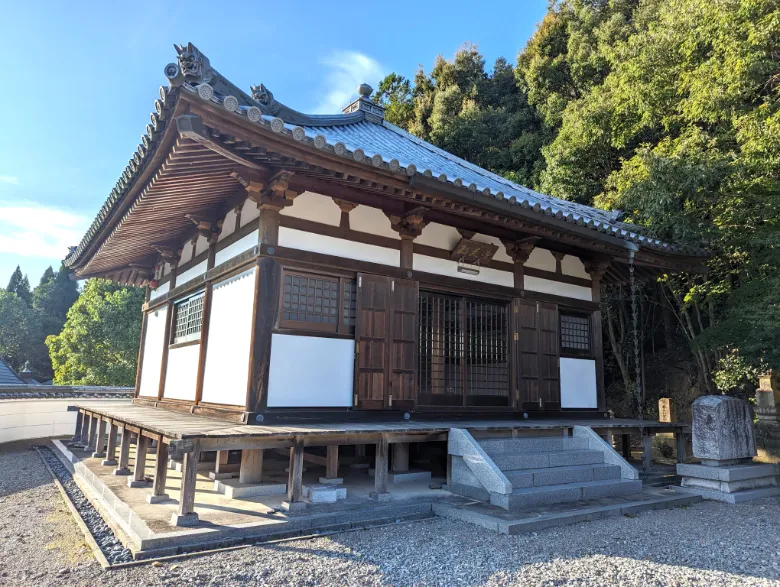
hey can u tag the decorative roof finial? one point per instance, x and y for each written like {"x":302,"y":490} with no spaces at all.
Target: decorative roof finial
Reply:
{"x":193,"y":67}
{"x":372,"y":112}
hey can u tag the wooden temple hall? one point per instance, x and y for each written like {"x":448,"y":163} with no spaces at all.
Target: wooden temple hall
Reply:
{"x":326,"y":282}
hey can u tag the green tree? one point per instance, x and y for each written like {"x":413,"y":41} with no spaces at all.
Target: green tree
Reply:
{"x":19,"y":331}
{"x":98,"y":344}
{"x":20,"y":285}
{"x":53,"y":297}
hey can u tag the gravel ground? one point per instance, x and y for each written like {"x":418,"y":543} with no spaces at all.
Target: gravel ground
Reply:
{"x":706,"y":544}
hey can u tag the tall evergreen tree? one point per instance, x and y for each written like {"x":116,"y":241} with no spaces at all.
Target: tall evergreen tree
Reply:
{"x":20,"y":285}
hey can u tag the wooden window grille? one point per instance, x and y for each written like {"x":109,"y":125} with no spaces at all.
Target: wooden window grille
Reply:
{"x":188,"y":319}
{"x":318,"y":302}
{"x":463,"y":351}
{"x":575,"y":334}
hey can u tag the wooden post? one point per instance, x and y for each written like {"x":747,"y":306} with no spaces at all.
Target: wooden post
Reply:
{"x":380,"y":471}
{"x":93,"y":424}
{"x":295,"y":478}
{"x":124,"y":454}
{"x":608,"y":438}
{"x":138,"y":479}
{"x":251,"y":470}
{"x":79,"y":423}
{"x":85,"y":427}
{"x":400,"y":457}
{"x":331,"y":466}
{"x":204,"y":340}
{"x":100,"y":440}
{"x":647,"y":451}
{"x":626,"y":446}
{"x":360,"y":450}
{"x":186,"y":515}
{"x":110,"y":459}
{"x":169,"y":316}
{"x":268,"y":284}
{"x":596,"y":268}
{"x":160,"y":474}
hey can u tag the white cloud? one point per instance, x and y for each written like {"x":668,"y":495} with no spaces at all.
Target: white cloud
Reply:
{"x":36,"y":231}
{"x":9,"y":179}
{"x":346,"y":71}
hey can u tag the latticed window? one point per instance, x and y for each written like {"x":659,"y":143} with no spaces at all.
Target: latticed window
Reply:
{"x":463,"y":351}
{"x":188,"y":319}
{"x":318,"y":302}
{"x":575,"y":333}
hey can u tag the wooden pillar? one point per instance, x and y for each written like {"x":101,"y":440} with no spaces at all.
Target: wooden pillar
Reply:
{"x":79,"y":423}
{"x":519,"y":251}
{"x":647,"y":451}
{"x":110,"y":459}
{"x":138,"y":479}
{"x":407,"y":253}
{"x":85,"y":427}
{"x":607,"y":436}
{"x":596,"y":268}
{"x":93,"y":425}
{"x":160,"y":474}
{"x":204,"y":340}
{"x":360,"y":450}
{"x":124,"y":453}
{"x":626,"y":446}
{"x":331,"y":465}
{"x":100,"y":440}
{"x":400,"y":457}
{"x":170,"y":310}
{"x":220,"y":461}
{"x":409,"y":226}
{"x":251,"y":470}
{"x":186,"y":515}
{"x":295,"y":478}
{"x":346,"y":208}
{"x":268,"y":280}
{"x":380,"y":471}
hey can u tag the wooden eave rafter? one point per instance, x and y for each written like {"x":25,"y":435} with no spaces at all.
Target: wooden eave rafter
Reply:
{"x":191,"y":171}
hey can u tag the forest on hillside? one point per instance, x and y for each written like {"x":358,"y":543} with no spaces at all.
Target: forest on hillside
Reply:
{"x":668,"y":110}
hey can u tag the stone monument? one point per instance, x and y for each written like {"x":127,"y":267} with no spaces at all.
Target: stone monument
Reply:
{"x":768,"y":412}
{"x":724,"y":442}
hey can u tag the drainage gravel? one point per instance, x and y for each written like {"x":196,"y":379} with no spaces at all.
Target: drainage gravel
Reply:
{"x":112,"y":548}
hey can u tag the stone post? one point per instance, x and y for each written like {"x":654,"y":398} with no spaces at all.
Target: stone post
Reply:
{"x":768,"y":412}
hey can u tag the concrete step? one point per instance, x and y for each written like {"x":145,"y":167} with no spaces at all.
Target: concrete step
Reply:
{"x":539,"y":518}
{"x":561,"y":475}
{"x":541,"y":460}
{"x":502,"y":446}
{"x":551,"y":494}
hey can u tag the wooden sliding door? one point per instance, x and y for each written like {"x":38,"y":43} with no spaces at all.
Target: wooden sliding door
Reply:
{"x":536,"y":355}
{"x":385,"y":343}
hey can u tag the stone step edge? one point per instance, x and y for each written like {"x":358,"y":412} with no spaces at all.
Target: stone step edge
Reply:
{"x":559,"y":468}
{"x":564,"y":486}
{"x":586,"y":514}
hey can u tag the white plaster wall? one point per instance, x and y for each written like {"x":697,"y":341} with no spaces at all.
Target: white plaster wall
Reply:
{"x":21,"y":419}
{"x":541,"y":259}
{"x":228,"y":225}
{"x":557,"y":288}
{"x":153,"y":348}
{"x":372,"y":221}
{"x":310,"y":372}
{"x":571,"y":265}
{"x":163,"y":289}
{"x":238,"y":247}
{"x":439,"y":236}
{"x":186,"y":253}
{"x":201,"y":245}
{"x":578,"y":383}
{"x":328,"y":245}
{"x":181,"y":372}
{"x":191,"y":273}
{"x":230,"y":332}
{"x":249,"y":212}
{"x":450,"y":268}
{"x":314,"y":207}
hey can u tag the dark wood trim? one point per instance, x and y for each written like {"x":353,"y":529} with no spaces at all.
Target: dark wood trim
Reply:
{"x":314,"y":333}
{"x":204,"y":341}
{"x":264,"y":319}
{"x":164,"y":361}
{"x":178,"y":345}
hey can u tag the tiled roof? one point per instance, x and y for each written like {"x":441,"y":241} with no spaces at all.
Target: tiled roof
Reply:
{"x":8,"y":376}
{"x":360,"y":134}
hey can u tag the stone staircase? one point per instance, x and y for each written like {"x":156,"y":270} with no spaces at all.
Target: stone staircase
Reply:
{"x":520,"y":473}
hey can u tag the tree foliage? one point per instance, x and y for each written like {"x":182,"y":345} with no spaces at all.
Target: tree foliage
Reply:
{"x":20,"y":285}
{"x":98,"y":344}
{"x":20,"y":331}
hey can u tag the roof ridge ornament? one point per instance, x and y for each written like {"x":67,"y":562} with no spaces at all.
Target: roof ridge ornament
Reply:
{"x":265,"y":98}
{"x":372,"y":112}
{"x":192,"y":66}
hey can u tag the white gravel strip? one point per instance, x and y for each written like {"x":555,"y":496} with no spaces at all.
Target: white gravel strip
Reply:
{"x":705,"y":544}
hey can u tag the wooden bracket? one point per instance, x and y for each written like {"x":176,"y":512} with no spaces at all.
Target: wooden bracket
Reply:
{"x":409,"y":225}
{"x":520,"y":250}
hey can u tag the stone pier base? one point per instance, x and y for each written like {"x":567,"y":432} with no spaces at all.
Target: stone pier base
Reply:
{"x":732,"y":483}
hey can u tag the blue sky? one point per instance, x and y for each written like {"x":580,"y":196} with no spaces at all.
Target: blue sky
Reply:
{"x":81,"y":78}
